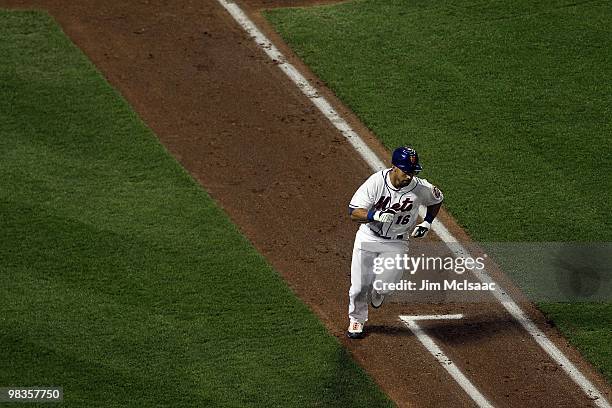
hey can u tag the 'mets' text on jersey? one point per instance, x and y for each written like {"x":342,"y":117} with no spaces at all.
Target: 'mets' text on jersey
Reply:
{"x":377,"y":193}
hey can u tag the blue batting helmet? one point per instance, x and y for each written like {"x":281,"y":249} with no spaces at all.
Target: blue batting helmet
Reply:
{"x":406,"y":159}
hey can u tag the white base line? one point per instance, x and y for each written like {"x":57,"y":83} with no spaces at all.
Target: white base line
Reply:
{"x":449,"y":366}
{"x":376,"y":164}
{"x":432,"y":317}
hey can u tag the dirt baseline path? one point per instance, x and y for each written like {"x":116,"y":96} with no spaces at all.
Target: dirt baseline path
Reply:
{"x":246,"y":133}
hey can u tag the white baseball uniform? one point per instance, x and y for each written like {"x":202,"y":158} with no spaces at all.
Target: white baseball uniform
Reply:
{"x":381,"y":240}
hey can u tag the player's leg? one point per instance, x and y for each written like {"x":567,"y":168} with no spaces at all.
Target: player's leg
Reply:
{"x":391,"y":273}
{"x":361,"y":282}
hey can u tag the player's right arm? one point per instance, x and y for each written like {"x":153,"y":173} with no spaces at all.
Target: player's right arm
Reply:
{"x":361,"y":215}
{"x":361,"y":207}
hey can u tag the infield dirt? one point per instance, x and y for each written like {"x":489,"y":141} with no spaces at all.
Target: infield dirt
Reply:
{"x":284,"y":175}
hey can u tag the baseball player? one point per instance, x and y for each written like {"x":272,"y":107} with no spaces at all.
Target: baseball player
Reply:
{"x":387,"y":206}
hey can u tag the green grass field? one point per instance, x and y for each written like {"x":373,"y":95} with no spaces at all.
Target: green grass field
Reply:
{"x":508,"y":104}
{"x":121,"y":281}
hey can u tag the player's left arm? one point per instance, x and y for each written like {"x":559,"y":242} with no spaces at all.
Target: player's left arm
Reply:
{"x":421,"y":230}
{"x":432,"y":212}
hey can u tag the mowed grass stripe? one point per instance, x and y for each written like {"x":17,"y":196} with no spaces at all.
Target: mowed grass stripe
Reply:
{"x":508,"y":104}
{"x":121,"y":281}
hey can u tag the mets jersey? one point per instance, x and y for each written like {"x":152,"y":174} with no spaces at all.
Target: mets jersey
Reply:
{"x":377,"y":193}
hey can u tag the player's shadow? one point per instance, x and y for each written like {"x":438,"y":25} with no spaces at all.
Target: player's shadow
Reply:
{"x":473,"y":330}
{"x":388,"y":330}
{"x":453,"y":331}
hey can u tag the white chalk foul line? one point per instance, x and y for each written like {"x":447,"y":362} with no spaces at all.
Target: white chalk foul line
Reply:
{"x":376,"y":164}
{"x":449,"y":366}
{"x":302,"y":83}
{"x":432,"y":317}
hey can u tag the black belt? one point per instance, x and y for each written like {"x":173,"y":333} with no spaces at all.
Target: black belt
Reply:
{"x":385,"y":237}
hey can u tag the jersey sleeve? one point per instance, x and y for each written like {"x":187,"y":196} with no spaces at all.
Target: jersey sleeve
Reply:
{"x":365,"y":196}
{"x":431,"y":194}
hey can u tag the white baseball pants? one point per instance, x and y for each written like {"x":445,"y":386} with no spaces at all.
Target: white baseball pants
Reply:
{"x":369,"y":251}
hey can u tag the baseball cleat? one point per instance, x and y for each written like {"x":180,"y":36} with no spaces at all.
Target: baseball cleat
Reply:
{"x":376,"y":299}
{"x":355,"y":330}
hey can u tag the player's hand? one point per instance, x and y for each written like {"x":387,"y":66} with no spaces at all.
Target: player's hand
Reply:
{"x":384,"y":216}
{"x":421,"y":230}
